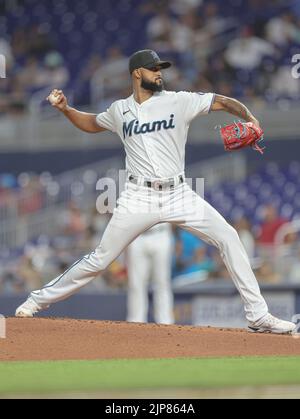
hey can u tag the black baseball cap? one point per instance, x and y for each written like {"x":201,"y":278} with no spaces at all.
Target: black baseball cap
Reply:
{"x":146,"y":58}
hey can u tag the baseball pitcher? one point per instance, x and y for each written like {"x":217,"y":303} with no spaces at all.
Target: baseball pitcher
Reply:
{"x":153,"y":125}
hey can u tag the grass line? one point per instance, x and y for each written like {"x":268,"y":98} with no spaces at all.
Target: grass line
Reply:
{"x":68,"y":376}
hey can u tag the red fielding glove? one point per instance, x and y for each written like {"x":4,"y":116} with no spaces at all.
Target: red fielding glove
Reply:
{"x":242,"y":134}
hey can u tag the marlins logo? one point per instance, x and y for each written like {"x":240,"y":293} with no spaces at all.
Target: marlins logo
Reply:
{"x":134,"y":126}
{"x":154,"y":55}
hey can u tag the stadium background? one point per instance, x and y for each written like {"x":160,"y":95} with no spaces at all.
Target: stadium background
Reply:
{"x":49,"y":170}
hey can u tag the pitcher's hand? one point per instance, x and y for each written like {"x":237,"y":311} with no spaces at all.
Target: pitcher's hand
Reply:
{"x":58,"y":100}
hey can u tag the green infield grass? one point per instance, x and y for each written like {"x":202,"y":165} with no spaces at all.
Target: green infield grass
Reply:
{"x":91,"y":376}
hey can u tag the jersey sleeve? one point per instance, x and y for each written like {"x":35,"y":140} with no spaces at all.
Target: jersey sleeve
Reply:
{"x":107,"y":119}
{"x":194,"y":104}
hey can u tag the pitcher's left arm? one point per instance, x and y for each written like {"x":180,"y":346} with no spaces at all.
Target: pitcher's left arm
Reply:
{"x":234,"y":107}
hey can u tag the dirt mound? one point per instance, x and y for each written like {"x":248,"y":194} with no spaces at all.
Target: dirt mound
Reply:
{"x":59,"y":339}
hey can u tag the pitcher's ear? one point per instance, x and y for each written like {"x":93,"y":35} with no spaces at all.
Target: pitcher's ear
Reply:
{"x":138,"y":73}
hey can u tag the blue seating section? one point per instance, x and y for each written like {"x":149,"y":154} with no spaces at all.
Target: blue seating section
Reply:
{"x":271,"y":184}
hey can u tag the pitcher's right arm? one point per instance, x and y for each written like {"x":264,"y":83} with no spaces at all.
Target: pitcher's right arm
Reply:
{"x":84,"y":121}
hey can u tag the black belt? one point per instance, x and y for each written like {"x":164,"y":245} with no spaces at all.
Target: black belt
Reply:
{"x":158,"y":185}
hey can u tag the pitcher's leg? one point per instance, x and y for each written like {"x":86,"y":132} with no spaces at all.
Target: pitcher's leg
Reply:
{"x":122,"y":229}
{"x":163,"y":294}
{"x":238,"y":265}
{"x":138,"y":275}
{"x":210,"y":226}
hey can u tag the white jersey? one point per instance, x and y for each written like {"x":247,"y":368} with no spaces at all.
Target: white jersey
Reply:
{"x":155,"y":132}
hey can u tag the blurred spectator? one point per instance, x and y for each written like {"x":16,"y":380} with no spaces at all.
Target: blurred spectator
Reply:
{"x":205,"y":44}
{"x":115,"y":275}
{"x":52,"y":73}
{"x":286,"y":261}
{"x":247,"y":51}
{"x":98,"y":223}
{"x":243,"y":228}
{"x":8,"y":194}
{"x":182,"y":42}
{"x":18,"y":99}
{"x":182,"y":7}
{"x":32,"y":76}
{"x":74,"y":222}
{"x":292,"y":239}
{"x":217,"y":75}
{"x":159,"y":31}
{"x":270,"y":226}
{"x":282,"y":29}
{"x":29,"y":275}
{"x":215,"y":21}
{"x":294,"y":274}
{"x":31,"y":196}
{"x":111,"y":80}
{"x":86,"y":241}
{"x":115,"y":70}
{"x":6,"y":51}
{"x":219,"y":269}
{"x":202,"y":84}
{"x":175,"y":79}
{"x":10,"y":283}
{"x":191,"y":260}
{"x":182,"y":33}
{"x":56,"y":73}
{"x":266,"y":274}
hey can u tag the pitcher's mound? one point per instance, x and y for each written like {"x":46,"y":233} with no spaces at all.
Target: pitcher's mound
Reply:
{"x":63,"y":339}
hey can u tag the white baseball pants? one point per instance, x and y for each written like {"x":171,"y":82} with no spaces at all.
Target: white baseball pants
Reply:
{"x":139,"y":208}
{"x":150,"y":256}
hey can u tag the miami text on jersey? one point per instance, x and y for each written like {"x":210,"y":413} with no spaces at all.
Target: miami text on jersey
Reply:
{"x":135,"y":127}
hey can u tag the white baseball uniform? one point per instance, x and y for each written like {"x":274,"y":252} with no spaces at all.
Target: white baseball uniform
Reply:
{"x":154,"y":135}
{"x":150,"y":256}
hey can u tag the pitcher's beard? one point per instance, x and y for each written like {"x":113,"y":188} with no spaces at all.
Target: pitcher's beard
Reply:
{"x":153,"y":87}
